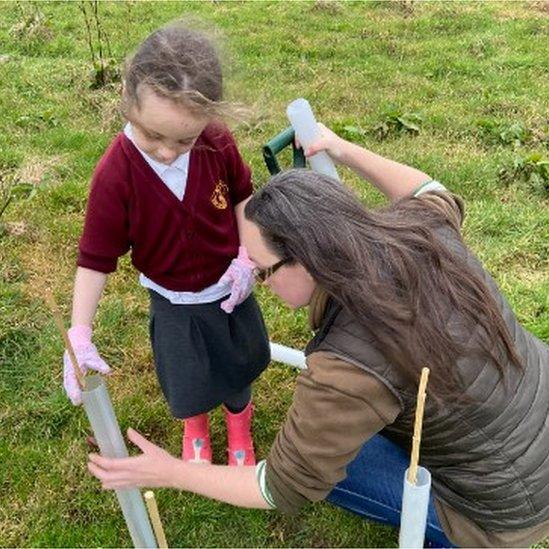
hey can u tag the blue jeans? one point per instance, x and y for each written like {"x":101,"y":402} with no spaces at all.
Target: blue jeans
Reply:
{"x":374,"y":484}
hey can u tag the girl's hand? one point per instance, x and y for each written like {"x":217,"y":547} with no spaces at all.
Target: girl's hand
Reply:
{"x":153,"y":468}
{"x":87,"y":357}
{"x":240,"y":275}
{"x":328,"y":142}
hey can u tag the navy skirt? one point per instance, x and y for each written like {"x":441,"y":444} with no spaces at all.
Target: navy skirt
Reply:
{"x":203,"y":355}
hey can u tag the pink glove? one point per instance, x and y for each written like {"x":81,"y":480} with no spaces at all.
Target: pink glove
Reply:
{"x":87,"y":357}
{"x":240,"y":276}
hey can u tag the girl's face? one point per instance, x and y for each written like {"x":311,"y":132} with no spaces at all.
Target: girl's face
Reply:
{"x":291,"y":282}
{"x":162,"y":128}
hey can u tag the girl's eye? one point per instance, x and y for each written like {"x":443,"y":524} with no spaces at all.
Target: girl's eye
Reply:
{"x":184,"y":142}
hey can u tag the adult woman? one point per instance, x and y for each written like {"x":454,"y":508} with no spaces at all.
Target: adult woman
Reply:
{"x":388,"y":292}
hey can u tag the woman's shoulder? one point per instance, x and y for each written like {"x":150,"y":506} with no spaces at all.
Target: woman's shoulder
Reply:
{"x":435,"y":196}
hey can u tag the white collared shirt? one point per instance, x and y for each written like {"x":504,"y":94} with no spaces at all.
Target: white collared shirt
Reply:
{"x":174,"y":177}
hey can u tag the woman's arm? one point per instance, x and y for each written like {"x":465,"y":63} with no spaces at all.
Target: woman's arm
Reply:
{"x":299,"y":467}
{"x":393,"y":179}
{"x":88,"y":287}
{"x":157,"y":468}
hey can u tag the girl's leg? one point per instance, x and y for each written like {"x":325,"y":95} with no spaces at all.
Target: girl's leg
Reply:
{"x":237,"y":402}
{"x":238,"y":416}
{"x":374,"y":484}
{"x":196,"y":440}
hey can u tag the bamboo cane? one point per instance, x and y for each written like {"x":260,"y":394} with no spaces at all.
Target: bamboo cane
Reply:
{"x":155,"y":519}
{"x":416,"y":440}
{"x":50,"y":300}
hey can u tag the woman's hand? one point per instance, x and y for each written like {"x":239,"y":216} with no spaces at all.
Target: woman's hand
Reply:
{"x":153,"y":468}
{"x":393,"y":179}
{"x":329,"y":142}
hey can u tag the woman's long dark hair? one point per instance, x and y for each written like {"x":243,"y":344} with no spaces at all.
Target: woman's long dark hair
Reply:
{"x":390,"y":269}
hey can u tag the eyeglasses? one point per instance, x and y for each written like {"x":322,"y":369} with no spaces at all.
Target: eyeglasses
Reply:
{"x":261,"y":275}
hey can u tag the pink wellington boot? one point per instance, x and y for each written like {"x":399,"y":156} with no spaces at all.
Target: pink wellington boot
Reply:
{"x":196,"y":440}
{"x":240,"y":445}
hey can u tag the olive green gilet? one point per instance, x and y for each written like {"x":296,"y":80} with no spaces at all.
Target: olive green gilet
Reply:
{"x":489,"y":460}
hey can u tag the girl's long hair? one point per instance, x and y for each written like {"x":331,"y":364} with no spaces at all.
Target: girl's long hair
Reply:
{"x":391,"y":270}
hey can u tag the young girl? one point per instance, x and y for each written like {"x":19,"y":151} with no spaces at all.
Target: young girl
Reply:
{"x":170,"y":188}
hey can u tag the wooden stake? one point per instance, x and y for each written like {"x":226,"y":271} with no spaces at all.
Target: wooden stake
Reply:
{"x":412,"y":471}
{"x":59,"y":321}
{"x":155,"y":519}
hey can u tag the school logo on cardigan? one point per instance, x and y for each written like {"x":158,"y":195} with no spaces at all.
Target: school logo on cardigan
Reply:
{"x":219,"y":196}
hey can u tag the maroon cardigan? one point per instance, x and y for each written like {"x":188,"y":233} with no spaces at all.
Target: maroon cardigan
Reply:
{"x":181,"y":245}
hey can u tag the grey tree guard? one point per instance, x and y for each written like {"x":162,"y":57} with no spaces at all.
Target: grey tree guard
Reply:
{"x":107,"y":433}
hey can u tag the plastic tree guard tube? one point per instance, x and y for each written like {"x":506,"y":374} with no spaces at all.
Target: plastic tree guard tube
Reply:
{"x":415,"y":504}
{"x":287,"y":355}
{"x":107,"y":433}
{"x":306,"y":129}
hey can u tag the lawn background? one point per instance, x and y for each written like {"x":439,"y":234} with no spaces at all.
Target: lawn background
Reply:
{"x":457,"y":89}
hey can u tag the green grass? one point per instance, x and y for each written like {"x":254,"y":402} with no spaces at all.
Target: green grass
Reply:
{"x":472,"y":74}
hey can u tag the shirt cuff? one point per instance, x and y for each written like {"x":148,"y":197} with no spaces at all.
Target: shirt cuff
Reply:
{"x":428,"y":186}
{"x":261,"y":481}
